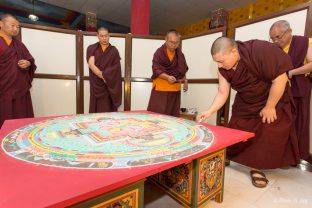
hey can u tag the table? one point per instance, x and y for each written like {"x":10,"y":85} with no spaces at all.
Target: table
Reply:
{"x":29,"y":185}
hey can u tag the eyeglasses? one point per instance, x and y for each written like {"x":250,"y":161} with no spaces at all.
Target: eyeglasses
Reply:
{"x":174,"y":42}
{"x":278,"y":37}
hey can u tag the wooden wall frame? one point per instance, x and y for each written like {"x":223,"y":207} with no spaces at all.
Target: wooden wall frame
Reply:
{"x":222,"y":115}
{"x":79,"y":77}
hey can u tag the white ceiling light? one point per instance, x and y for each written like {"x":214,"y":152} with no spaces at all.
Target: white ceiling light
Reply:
{"x":32,"y":16}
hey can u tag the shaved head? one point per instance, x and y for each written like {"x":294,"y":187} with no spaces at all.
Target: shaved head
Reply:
{"x":283,"y":25}
{"x":280,"y":33}
{"x":102,"y":28}
{"x":4,"y":16}
{"x":9,"y":25}
{"x":174,"y":32}
{"x":173,"y":39}
{"x":103,"y":36}
{"x":222,"y":45}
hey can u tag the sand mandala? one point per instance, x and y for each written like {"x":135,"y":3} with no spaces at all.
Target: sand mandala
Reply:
{"x":107,"y":140}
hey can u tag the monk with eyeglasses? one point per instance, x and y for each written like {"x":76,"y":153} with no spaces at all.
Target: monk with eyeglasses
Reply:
{"x":299,"y":48}
{"x":169,"y":72}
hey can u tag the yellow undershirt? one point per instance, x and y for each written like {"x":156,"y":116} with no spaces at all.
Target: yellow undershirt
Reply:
{"x":286,"y":50}
{"x":163,"y":85}
{"x":7,"y":40}
{"x":170,"y":54}
{"x":104,"y":47}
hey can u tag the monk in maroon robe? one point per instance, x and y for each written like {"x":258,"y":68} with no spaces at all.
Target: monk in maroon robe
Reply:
{"x":299,"y":48}
{"x":263,"y":103}
{"x":105,"y":74}
{"x":169,"y":71}
{"x":17,"y":68}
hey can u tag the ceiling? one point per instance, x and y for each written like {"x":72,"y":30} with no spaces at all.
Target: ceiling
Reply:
{"x":164,"y":14}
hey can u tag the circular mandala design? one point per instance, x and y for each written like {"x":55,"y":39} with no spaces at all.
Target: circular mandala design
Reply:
{"x":107,"y":140}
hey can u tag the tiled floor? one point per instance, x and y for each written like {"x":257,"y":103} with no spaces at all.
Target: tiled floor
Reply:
{"x":288,"y":188}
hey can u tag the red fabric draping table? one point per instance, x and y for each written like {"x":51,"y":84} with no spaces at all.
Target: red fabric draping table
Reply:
{"x":24,"y":184}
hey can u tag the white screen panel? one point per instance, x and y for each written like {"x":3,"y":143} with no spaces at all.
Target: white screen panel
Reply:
{"x":142,"y":55}
{"x":198,"y":58}
{"x":140,"y":95}
{"x":86,"y":98}
{"x":260,"y":30}
{"x":52,"y":97}
{"x":54,"y":53}
{"x":190,"y":99}
{"x":311,"y":124}
{"x":232,"y":98}
{"x":119,"y":43}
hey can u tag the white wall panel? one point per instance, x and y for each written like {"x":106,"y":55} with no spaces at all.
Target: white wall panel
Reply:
{"x":86,"y":96}
{"x":142,"y":56}
{"x":198,"y":56}
{"x":52,"y":97}
{"x":86,"y":92}
{"x":200,"y":96}
{"x":311,"y":124}
{"x":260,"y":30}
{"x":232,"y":98}
{"x":54,"y":53}
{"x":140,"y":95}
{"x":87,"y":40}
{"x":118,"y":42}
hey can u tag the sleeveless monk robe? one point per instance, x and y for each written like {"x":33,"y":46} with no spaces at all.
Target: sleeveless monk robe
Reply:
{"x":15,"y":82}
{"x":165,"y":97}
{"x":300,"y":86}
{"x":105,"y":96}
{"x":275,"y":145}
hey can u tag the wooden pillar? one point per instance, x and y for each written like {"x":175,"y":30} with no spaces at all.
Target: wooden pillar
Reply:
{"x":140,"y":14}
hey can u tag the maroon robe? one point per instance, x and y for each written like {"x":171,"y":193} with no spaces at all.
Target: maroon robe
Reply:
{"x":300,"y":86}
{"x":15,"y":82}
{"x":105,"y":96}
{"x":167,"y":102}
{"x":275,"y":145}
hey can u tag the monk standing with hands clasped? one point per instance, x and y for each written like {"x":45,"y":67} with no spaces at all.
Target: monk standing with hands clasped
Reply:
{"x":17,"y":68}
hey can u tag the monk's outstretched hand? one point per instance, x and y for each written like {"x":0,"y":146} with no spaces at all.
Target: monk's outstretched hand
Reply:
{"x":24,"y":64}
{"x":203,"y":116}
{"x":268,"y":114}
